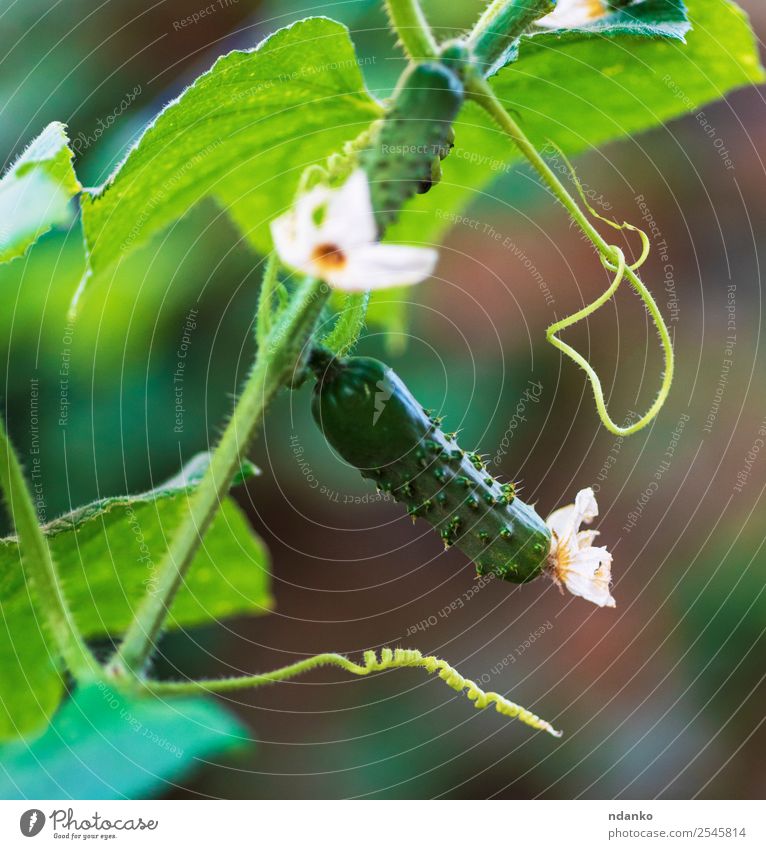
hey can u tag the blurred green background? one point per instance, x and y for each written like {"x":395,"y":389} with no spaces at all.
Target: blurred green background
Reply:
{"x":657,"y":698}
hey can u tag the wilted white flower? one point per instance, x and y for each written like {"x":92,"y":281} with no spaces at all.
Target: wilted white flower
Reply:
{"x":331,"y":234}
{"x":574,"y":563}
{"x":574,"y":13}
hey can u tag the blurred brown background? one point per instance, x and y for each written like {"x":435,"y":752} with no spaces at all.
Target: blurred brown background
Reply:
{"x":662,"y":697}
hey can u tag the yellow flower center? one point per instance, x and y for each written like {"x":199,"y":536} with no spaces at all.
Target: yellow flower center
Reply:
{"x":596,"y":8}
{"x":560,"y":561}
{"x":328,"y":257}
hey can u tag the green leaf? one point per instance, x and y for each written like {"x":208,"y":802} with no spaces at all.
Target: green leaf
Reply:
{"x":106,"y":745}
{"x":646,"y":18}
{"x":581,"y":90}
{"x":35,"y":192}
{"x":31,"y":683}
{"x":241,"y":133}
{"x":107,"y":554}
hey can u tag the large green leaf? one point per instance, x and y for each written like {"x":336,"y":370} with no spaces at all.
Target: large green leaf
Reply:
{"x":242,"y":134}
{"x":651,"y":18}
{"x":105,"y":745}
{"x":583,"y":89}
{"x":35,"y":192}
{"x":644,"y":18}
{"x":107,"y":554}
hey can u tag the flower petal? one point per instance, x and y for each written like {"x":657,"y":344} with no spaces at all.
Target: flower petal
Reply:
{"x":588,"y":575}
{"x":380,"y":266}
{"x":296,"y":233}
{"x":350,"y":221}
{"x":292,"y":247}
{"x":562,"y":521}
{"x":573,"y":561}
{"x":586,"y":507}
{"x":584,"y":539}
{"x":565,"y":522}
{"x":573,"y":13}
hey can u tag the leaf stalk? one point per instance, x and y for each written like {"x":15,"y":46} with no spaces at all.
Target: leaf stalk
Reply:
{"x":40,"y":568}
{"x":502,"y":22}
{"x":412,"y":28}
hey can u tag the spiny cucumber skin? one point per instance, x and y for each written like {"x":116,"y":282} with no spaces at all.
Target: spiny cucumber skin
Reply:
{"x":410,"y":141}
{"x":372,"y":420}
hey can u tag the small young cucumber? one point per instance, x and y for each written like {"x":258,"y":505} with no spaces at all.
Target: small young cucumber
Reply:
{"x":412,"y":139}
{"x":372,"y":420}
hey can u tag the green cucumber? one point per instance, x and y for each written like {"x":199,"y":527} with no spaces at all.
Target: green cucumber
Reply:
{"x":372,"y":420}
{"x":410,"y":142}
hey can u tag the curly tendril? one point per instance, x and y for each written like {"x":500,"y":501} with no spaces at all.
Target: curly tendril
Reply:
{"x":389,"y":659}
{"x":621,"y":269}
{"x":399,"y":658}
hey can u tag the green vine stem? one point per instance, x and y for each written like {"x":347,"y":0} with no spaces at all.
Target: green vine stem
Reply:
{"x":265,"y":314}
{"x":502,"y":22}
{"x":274,"y":367}
{"x":40,"y":568}
{"x":479,"y":90}
{"x":411,"y":26}
{"x":389,"y":659}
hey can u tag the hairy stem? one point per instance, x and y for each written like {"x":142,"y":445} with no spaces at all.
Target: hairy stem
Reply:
{"x":389,"y":659}
{"x":265,"y":312}
{"x":501,"y":24}
{"x":478,"y":89}
{"x":274,"y":367}
{"x":39,"y":566}
{"x":349,"y":325}
{"x":411,"y":26}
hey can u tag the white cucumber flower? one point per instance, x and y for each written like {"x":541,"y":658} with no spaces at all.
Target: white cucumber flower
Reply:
{"x":574,"y":563}
{"x":574,"y":13}
{"x":331,"y":234}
